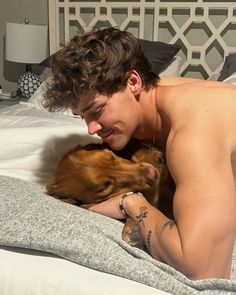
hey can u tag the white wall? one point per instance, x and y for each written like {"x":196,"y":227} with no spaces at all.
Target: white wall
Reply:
{"x":17,"y":11}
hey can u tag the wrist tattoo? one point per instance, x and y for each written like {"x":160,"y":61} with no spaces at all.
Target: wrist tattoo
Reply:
{"x":142,"y":214}
{"x":168,"y":224}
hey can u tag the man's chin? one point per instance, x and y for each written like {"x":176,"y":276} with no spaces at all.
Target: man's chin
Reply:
{"x":116,"y":143}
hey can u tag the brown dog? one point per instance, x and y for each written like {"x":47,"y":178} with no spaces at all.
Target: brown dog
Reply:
{"x":93,"y":173}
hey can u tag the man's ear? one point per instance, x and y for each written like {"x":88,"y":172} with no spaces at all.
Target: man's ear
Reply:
{"x":135,"y":83}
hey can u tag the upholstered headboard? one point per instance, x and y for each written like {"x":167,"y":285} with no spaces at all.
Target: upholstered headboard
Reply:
{"x":205,"y":29}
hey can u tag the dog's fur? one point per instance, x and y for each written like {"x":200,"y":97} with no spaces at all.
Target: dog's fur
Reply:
{"x":91,"y":174}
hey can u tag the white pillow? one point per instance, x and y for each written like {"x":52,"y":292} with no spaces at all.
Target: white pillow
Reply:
{"x":231,"y":79}
{"x":173,"y":69}
{"x":36,"y":100}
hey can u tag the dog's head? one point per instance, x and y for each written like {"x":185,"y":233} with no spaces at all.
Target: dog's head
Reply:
{"x":92,"y":174}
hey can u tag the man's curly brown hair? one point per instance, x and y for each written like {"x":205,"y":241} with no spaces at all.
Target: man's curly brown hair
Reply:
{"x":96,"y":62}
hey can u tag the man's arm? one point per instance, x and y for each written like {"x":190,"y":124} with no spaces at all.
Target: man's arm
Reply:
{"x":154,"y":225}
{"x":199,"y":243}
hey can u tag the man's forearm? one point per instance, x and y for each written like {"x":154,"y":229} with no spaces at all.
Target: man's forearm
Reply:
{"x":188,"y":251}
{"x":160,"y":234}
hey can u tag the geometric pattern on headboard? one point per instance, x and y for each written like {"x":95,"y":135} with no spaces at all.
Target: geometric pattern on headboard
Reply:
{"x":205,"y":29}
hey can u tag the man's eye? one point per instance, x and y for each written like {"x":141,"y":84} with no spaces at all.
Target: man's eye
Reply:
{"x":97,"y":111}
{"x":77,"y":116}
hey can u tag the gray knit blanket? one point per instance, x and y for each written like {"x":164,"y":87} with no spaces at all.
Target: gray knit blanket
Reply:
{"x":31,"y":219}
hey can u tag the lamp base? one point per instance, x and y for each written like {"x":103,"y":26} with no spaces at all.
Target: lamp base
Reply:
{"x":28,"y":83}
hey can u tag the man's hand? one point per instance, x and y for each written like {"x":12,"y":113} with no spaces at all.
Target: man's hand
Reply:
{"x":109,"y":208}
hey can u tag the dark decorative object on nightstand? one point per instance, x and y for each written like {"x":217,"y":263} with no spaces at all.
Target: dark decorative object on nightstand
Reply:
{"x":28,"y":83}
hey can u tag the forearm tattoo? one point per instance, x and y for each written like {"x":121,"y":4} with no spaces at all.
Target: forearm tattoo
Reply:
{"x":169,"y":224}
{"x":142,"y":214}
{"x":148,"y":240}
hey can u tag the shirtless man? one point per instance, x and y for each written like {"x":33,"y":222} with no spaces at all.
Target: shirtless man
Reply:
{"x":191,"y":120}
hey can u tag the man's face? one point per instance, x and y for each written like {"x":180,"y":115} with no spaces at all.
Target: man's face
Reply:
{"x":114,"y":118}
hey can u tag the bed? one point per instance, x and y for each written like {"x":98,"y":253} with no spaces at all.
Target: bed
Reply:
{"x":49,"y":247}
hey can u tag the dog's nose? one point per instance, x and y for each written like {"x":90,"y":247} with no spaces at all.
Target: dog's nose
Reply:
{"x":152,"y":174}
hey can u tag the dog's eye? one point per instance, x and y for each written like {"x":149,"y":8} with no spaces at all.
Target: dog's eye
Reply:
{"x":105,"y":185}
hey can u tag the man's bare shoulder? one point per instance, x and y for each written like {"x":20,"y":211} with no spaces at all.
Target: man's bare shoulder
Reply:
{"x":185,"y":81}
{"x":182,"y":97}
{"x":172,"y":81}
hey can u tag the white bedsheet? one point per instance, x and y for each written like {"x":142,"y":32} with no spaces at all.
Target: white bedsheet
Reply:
{"x":32,"y":140}
{"x":31,"y":272}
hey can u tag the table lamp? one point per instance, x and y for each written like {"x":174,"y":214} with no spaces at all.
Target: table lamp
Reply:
{"x":26,"y":43}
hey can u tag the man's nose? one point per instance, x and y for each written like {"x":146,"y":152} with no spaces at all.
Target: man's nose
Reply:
{"x":93,"y":127}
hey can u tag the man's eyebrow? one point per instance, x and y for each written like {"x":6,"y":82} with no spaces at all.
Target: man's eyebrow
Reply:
{"x":85,"y":109}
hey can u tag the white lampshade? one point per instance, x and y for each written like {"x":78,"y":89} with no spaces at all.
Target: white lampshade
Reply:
{"x":26,"y":43}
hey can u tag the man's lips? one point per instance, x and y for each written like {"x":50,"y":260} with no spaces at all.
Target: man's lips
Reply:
{"x":105,"y":136}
